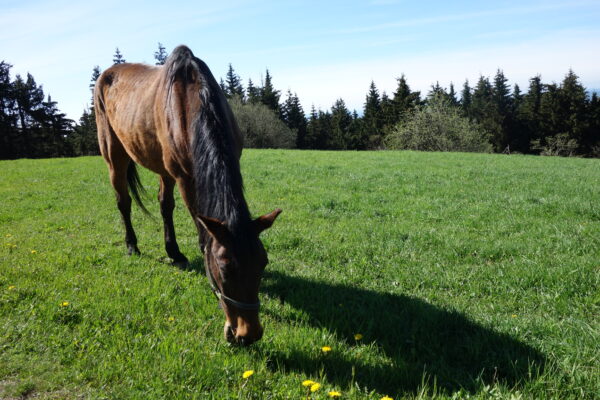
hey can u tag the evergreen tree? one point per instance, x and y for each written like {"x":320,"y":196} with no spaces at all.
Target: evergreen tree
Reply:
{"x":269,"y":96}
{"x":95,"y":75}
{"x":118,"y":57}
{"x":483,"y":108}
{"x":466,"y":99}
{"x":160,"y":55}
{"x":252,"y":93}
{"x":502,"y":113}
{"x":8,"y":118}
{"x":404,"y":101}
{"x":341,"y":121}
{"x":312,"y":139}
{"x":372,"y":117}
{"x":233,"y":84}
{"x":294,"y":118}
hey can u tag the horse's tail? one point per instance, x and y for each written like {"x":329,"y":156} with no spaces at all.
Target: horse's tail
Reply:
{"x":135,"y":186}
{"x":213,"y":144}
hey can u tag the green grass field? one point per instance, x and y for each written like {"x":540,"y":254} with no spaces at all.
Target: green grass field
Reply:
{"x":468,"y":276}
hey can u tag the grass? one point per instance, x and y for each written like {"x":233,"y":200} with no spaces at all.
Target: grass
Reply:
{"x":468,"y":275}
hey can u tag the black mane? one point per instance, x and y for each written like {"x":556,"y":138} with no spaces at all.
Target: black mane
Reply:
{"x":216,"y":169}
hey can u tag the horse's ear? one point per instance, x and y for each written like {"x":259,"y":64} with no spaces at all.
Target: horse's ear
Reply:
{"x":217,"y":229}
{"x":265,"y":221}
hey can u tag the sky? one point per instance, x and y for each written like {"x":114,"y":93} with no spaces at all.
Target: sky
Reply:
{"x":321,"y":50}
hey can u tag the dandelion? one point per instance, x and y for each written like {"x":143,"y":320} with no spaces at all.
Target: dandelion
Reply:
{"x":248,"y":374}
{"x":358,"y":336}
{"x":325,"y":349}
{"x":314,"y":387}
{"x":33,"y":251}
{"x":308,"y":383}
{"x":514,"y":315}
{"x":64,"y":304}
{"x":11,"y":287}
{"x":334,"y":394}
{"x":386,"y":398}
{"x":171,"y":319}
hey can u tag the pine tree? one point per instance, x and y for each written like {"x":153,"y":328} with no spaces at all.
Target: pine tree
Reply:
{"x":341,"y":121}
{"x":372,"y":117}
{"x":574,"y":112}
{"x":269,"y":96}
{"x":160,"y":55}
{"x":233,"y":84}
{"x":252,"y":93}
{"x":311,"y":140}
{"x":118,"y":57}
{"x":502,"y":113}
{"x":466,"y":99}
{"x":294,"y":118}
{"x":95,"y":75}
{"x":404,"y":101}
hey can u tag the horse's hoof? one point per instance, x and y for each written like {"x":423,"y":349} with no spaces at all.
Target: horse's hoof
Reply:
{"x":182,"y":264}
{"x":131,"y":250}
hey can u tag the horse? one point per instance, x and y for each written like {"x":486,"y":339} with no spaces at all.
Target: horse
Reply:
{"x":174,"y":120}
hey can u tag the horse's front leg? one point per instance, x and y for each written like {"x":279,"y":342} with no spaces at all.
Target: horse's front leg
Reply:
{"x":167,"y":204}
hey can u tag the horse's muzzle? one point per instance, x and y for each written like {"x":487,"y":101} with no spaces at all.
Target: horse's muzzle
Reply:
{"x":242,"y":337}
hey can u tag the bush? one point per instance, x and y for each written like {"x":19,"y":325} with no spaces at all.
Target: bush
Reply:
{"x":438,"y":126}
{"x":557,"y":145}
{"x":261,"y":126}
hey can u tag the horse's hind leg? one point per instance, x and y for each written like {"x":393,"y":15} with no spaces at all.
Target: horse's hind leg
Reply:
{"x":167,"y":204}
{"x":118,"y":178}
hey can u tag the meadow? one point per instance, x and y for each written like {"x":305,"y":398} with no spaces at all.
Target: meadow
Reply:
{"x":428,"y":275}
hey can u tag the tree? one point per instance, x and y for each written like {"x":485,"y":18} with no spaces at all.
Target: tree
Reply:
{"x":293,"y":116}
{"x":261,"y":126}
{"x":160,"y":55}
{"x":502,"y":112}
{"x":404,"y":101}
{"x":372,"y":117}
{"x":118,"y":57}
{"x":341,"y":122}
{"x":268,"y":95}
{"x":233,"y":84}
{"x":439,"y":126}
{"x":252,"y":93}
{"x":466,"y":99}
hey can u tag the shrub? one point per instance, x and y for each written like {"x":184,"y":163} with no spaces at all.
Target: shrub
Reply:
{"x":261,"y":126}
{"x":438,"y":126}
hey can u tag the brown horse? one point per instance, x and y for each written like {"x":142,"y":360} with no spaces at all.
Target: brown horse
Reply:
{"x":175,"y":121}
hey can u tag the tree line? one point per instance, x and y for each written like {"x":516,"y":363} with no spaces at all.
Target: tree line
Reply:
{"x":549,"y":118}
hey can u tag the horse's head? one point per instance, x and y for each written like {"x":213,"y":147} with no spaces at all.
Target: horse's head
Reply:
{"x":234,"y":272}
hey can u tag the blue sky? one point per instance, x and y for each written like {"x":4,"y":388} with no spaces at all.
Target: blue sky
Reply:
{"x":323,"y":50}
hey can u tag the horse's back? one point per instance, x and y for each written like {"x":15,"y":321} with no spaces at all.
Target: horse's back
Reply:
{"x":125,"y":105}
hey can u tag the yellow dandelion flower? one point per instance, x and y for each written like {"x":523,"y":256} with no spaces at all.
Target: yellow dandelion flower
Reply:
{"x":248,"y":374}
{"x":325,"y":349}
{"x":11,"y":287}
{"x":64,"y":304}
{"x":171,"y":319}
{"x":308,"y":383}
{"x":315,"y":386}
{"x":334,"y":394}
{"x":514,"y":315}
{"x":386,"y":398}
{"x":358,"y":336}
{"x":33,"y":251}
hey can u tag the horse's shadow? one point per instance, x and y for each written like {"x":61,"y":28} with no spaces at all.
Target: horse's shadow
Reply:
{"x":419,"y":340}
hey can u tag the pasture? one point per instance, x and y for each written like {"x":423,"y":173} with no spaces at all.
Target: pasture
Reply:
{"x":467,"y":275}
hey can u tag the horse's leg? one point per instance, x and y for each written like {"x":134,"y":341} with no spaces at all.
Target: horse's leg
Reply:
{"x":118,"y":178}
{"x":167,"y":204}
{"x":186,"y":188}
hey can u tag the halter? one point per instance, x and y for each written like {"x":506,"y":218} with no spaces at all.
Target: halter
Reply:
{"x":221,"y":296}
